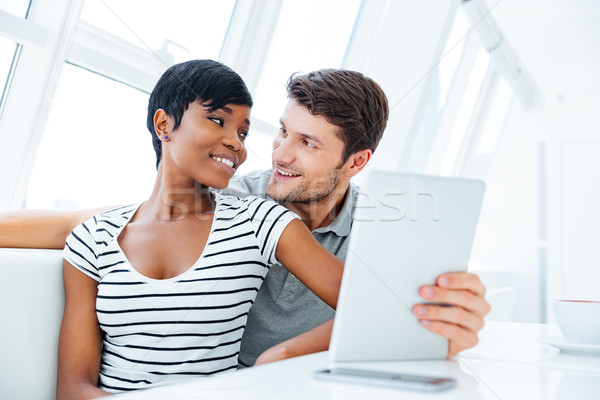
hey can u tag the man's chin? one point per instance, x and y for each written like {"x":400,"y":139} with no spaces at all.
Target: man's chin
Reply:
{"x":281,"y":191}
{"x":277,"y":195}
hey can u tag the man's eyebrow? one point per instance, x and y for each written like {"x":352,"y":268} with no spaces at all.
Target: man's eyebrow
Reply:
{"x":304,"y":135}
{"x":310,"y":137}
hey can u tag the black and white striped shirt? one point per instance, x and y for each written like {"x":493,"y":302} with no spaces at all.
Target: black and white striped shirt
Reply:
{"x":189,"y":325}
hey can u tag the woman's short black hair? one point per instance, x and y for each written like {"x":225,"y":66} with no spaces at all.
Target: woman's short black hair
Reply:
{"x":206,"y":81}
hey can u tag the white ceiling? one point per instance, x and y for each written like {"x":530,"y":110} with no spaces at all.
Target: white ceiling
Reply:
{"x":558,"y":41}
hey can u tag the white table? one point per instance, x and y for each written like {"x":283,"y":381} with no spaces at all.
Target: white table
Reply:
{"x":509,"y":363}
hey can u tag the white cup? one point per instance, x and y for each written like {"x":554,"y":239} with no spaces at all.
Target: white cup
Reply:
{"x":579,"y":320}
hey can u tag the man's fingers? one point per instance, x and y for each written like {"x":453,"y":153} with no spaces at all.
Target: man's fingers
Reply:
{"x":462,"y":317}
{"x":461,"y":298}
{"x":462,"y":281}
{"x":450,"y":315}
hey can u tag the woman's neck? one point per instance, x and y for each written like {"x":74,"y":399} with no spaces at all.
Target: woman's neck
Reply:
{"x":174,"y":198}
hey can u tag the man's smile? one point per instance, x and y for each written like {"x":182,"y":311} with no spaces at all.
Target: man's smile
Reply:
{"x":283,"y":175}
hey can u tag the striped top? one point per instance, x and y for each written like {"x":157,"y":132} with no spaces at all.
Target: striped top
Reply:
{"x":189,"y":325}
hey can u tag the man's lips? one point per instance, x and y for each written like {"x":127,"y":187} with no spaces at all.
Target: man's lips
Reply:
{"x":282,"y":174}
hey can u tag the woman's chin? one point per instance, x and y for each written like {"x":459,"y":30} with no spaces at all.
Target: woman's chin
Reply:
{"x":220,"y":185}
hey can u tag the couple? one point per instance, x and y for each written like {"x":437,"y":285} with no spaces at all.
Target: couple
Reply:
{"x":198,"y":117}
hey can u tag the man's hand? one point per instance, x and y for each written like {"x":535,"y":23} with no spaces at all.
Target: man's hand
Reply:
{"x":463,"y":318}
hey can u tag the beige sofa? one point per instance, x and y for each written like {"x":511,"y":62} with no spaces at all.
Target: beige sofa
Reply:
{"x":31,"y":306}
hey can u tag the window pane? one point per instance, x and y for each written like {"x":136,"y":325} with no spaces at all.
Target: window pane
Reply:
{"x":96,"y":149}
{"x":451,"y":56}
{"x":259,"y":146}
{"x":188,"y":29}
{"x":8,"y":49}
{"x":15,"y":7}
{"x":495,"y":118}
{"x":442,"y":79}
{"x":304,"y":40}
{"x":465,"y":111}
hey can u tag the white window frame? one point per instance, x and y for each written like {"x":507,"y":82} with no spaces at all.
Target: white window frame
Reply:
{"x":439,"y":142}
{"x":54,"y":35}
{"x":401,"y":67}
{"x":45,"y":38}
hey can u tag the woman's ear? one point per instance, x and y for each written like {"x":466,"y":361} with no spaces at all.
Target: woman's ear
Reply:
{"x":357,"y":161}
{"x":162,"y":124}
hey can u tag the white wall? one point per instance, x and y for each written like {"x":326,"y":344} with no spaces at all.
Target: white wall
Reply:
{"x":507,"y":235}
{"x":541,"y":219}
{"x":573,"y":166}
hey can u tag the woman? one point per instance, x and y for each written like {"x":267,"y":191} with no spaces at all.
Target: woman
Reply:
{"x":160,"y":290}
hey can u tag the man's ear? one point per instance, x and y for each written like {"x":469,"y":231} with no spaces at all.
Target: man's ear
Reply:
{"x":357,"y":161}
{"x":162,"y":124}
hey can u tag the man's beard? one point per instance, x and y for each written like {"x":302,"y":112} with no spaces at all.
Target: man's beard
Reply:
{"x":303,"y":193}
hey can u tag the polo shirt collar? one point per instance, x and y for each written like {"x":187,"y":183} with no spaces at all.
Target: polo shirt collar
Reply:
{"x":342,"y":224}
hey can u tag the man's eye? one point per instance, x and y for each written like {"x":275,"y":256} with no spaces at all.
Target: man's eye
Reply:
{"x":282,"y":132}
{"x":244,"y":135}
{"x":308,"y":144}
{"x":217,"y":120}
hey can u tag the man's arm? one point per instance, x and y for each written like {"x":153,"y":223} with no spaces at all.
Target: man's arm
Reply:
{"x":309,"y":342}
{"x":41,"y":229}
{"x":461,"y":322}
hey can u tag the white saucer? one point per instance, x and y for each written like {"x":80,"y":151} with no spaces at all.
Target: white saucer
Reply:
{"x":568,"y":347}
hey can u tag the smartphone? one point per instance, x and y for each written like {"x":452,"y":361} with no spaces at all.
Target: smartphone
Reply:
{"x":386,"y":379}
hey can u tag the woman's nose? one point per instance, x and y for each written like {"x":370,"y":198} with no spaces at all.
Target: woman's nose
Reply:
{"x":233,"y":142}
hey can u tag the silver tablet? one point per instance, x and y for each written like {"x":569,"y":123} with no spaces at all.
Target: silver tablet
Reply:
{"x":407,"y":230}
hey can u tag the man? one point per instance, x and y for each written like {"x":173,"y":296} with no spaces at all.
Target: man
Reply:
{"x":330,"y":128}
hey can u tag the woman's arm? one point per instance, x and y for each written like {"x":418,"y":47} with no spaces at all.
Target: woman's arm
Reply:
{"x":310,"y":262}
{"x":41,"y":229}
{"x":79,"y":344}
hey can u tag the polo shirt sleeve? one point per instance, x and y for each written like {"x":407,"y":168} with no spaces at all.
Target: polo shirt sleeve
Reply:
{"x":251,"y":184}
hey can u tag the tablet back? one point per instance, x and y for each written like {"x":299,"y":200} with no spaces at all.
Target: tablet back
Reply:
{"x":407,"y":230}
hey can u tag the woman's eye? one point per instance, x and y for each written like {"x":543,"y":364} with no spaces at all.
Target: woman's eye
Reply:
{"x":243,"y":135}
{"x":282,"y":132}
{"x":217,"y":120}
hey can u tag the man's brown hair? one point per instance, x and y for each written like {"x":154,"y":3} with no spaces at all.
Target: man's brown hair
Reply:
{"x":347,"y":99}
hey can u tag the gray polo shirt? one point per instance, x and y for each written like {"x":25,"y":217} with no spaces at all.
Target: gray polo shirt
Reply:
{"x":284,"y":307}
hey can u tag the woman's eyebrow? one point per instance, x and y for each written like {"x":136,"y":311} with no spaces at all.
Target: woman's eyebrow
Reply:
{"x":230,"y":112}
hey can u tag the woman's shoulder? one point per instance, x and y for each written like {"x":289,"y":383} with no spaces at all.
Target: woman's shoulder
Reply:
{"x":123,"y":212}
{"x":116,"y":216}
{"x":250,"y":203}
{"x":255,"y":210}
{"x":107,"y":223}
